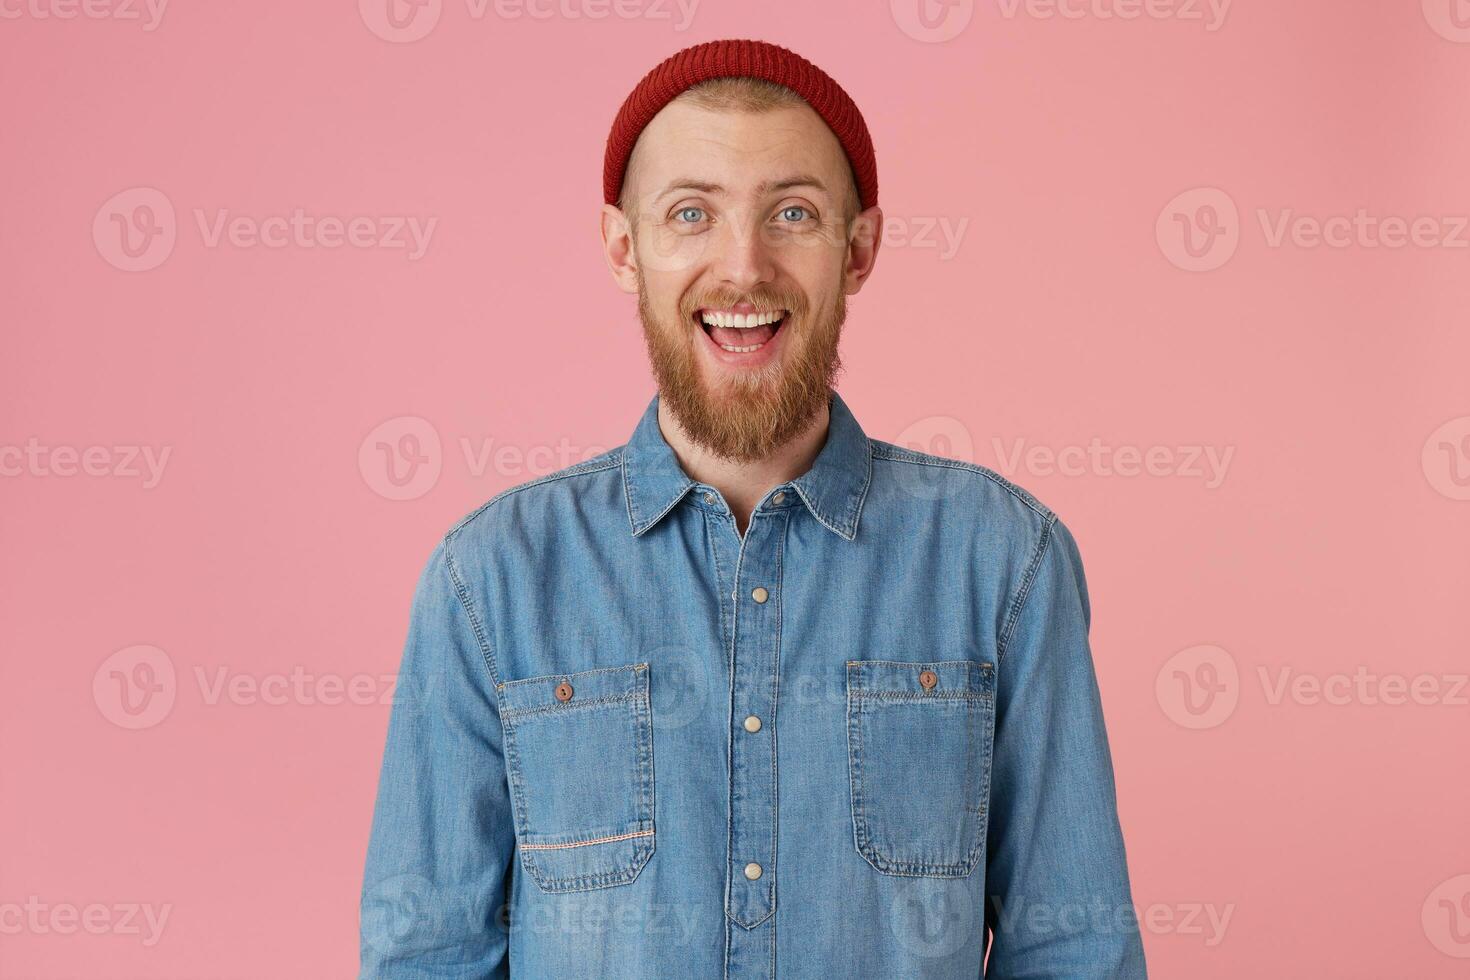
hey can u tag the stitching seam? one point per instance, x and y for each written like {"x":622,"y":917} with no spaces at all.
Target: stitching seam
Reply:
{"x":464,"y":598}
{"x":604,"y":461}
{"x":1025,"y":589}
{"x":897,"y":454}
{"x":584,"y":843}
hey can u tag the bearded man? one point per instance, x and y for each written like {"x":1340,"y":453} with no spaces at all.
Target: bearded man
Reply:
{"x":753,"y":695}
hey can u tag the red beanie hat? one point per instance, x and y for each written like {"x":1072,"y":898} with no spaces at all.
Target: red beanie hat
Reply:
{"x":740,"y":59}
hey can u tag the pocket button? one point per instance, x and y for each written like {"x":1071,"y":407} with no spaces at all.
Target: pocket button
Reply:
{"x":563,"y":691}
{"x":927,"y":679}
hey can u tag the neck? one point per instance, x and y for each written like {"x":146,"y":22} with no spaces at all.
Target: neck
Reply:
{"x":743,"y":484}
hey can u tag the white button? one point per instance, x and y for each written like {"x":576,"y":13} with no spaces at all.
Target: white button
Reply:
{"x":759,"y":594}
{"x":752,"y":871}
{"x":709,"y":498}
{"x":780,"y":496}
{"x":752,"y":723}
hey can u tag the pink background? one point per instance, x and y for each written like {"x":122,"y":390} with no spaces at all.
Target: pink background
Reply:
{"x":1055,"y":149}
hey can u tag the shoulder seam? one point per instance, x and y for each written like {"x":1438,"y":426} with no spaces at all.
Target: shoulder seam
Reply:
{"x":1023,"y":591}
{"x":481,"y":635}
{"x":897,"y":454}
{"x":597,"y":464}
{"x":610,"y":459}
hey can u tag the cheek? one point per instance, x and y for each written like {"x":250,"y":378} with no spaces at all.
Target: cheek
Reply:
{"x":670,"y":253}
{"x":813,"y":261}
{"x":818,"y":281}
{"x":662,"y":289}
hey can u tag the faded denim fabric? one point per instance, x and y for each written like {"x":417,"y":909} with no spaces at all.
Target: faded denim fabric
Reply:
{"x":865,"y":740}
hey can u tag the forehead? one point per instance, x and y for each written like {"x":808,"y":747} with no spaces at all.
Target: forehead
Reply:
{"x":736,"y":149}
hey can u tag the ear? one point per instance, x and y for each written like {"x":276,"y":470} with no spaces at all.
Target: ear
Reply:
{"x":862,"y":248}
{"x":617,"y":248}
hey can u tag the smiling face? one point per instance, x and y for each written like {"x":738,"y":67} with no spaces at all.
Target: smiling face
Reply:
{"x":740,"y":236}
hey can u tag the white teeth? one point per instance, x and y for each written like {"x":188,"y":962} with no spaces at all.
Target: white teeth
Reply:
{"x":740,"y":321}
{"x":742,"y":350}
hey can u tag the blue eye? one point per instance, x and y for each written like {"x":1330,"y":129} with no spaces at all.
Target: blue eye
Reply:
{"x":794,"y":213}
{"x":690,"y":215}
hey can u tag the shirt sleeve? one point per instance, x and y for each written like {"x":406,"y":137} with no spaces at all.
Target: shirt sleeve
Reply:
{"x":1058,"y":901}
{"x":442,"y":839}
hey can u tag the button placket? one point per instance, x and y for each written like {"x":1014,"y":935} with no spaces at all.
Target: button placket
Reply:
{"x":751,"y":893}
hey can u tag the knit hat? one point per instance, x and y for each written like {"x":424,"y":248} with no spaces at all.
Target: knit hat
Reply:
{"x":740,"y":59}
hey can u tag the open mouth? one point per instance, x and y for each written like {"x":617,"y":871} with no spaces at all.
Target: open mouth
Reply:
{"x":740,"y":333}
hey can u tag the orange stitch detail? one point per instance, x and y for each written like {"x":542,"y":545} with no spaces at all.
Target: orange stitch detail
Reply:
{"x":584,"y":843}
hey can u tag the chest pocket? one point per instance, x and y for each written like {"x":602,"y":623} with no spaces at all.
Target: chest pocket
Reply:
{"x":919,"y":739}
{"x":579,"y":758}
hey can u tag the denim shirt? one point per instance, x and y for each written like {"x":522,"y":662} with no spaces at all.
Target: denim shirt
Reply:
{"x":862,"y":740}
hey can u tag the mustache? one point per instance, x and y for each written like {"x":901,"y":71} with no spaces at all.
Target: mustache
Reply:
{"x":764,"y":300}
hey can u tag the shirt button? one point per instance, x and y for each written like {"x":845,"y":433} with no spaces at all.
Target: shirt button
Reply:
{"x":752,"y":871}
{"x":780,"y":496}
{"x":759,"y":594}
{"x":927,"y":679}
{"x":563,"y":691}
{"x":709,"y":498}
{"x":752,"y":723}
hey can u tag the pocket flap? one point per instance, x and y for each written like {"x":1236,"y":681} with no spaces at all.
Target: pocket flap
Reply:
{"x":603,"y":685}
{"x":899,"y":680}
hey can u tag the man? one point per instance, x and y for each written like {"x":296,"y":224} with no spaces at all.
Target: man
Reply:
{"x":753,"y":695}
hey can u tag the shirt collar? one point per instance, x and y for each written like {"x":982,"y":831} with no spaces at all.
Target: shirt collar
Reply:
{"x":833,"y":489}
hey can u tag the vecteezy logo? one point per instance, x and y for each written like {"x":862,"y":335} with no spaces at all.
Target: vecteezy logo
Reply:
{"x":402,"y":914}
{"x":135,"y":229}
{"x":1449,"y":18}
{"x":936,"y":435}
{"x":1446,"y":917}
{"x":1199,"y":229}
{"x":135,"y":687}
{"x":1446,"y":459}
{"x":932,"y":917}
{"x":932,"y":21}
{"x":401,"y":459}
{"x":400,"y":21}
{"x":1198,"y":687}
{"x":683,"y":689}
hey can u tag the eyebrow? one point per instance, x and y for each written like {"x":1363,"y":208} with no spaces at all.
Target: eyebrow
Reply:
{"x":762,"y":189}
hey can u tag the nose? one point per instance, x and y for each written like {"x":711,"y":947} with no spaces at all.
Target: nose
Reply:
{"x":744,"y":261}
